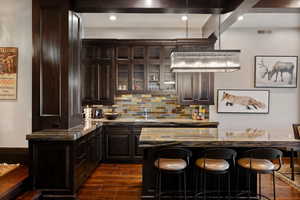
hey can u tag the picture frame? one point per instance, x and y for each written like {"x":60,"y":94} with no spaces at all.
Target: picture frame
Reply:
{"x":275,"y":71}
{"x":8,"y":73}
{"x":243,"y":101}
{"x":296,"y":128}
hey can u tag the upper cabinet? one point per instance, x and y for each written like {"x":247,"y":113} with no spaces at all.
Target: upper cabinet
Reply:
{"x":112,"y":67}
{"x":144,"y":69}
{"x":98,"y":73}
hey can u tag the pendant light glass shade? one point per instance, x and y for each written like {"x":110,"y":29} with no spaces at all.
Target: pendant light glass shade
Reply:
{"x":206,"y":61}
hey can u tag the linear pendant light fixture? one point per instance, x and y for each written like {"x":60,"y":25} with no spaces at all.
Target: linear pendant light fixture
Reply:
{"x":206,"y":61}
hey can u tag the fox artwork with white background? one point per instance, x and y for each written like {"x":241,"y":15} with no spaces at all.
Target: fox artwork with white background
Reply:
{"x":249,"y":102}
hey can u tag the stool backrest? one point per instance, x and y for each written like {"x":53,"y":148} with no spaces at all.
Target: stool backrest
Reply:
{"x":220,"y":153}
{"x":265,"y":153}
{"x":176,"y":153}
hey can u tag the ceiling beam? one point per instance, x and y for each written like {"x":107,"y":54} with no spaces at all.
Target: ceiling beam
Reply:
{"x":211,"y":27}
{"x":155,"y":6}
{"x":274,"y":10}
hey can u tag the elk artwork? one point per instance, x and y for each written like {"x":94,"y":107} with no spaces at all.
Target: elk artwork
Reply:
{"x":278,"y":67}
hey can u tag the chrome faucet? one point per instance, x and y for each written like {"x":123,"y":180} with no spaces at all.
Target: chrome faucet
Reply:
{"x":145,"y":113}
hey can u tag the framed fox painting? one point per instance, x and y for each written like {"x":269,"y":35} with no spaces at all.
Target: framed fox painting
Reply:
{"x":243,"y":101}
{"x":276,"y":71}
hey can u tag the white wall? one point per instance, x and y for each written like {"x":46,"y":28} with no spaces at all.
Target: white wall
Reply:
{"x":16,"y":31}
{"x":284,"y":103}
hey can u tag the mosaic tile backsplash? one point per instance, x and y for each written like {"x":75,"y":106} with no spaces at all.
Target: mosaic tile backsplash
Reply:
{"x":156,"y":107}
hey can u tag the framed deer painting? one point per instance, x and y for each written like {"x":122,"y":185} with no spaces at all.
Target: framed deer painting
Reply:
{"x":243,"y":101}
{"x":276,"y":71}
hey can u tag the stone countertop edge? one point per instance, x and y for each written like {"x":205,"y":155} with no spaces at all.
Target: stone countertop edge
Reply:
{"x":156,"y":122}
{"x":71,"y":134}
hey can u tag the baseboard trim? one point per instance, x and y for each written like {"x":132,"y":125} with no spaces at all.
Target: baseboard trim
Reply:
{"x":14,"y":155}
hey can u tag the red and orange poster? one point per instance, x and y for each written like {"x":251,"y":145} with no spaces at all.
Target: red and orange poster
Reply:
{"x":8,"y":73}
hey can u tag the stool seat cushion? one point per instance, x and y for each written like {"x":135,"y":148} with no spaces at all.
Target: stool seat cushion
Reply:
{"x":170,"y":164}
{"x":256,"y":164}
{"x":212,"y":164}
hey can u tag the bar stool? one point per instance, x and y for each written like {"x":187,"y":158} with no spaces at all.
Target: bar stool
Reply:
{"x":171,"y":161}
{"x":217,"y":161}
{"x":260,"y":161}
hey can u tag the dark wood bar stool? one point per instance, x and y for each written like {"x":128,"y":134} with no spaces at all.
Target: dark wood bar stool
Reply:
{"x":260,"y":161}
{"x":171,"y":161}
{"x":217,"y":161}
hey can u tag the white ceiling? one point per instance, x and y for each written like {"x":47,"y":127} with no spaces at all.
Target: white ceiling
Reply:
{"x":196,"y":21}
{"x":269,"y":20}
{"x":98,"y":20}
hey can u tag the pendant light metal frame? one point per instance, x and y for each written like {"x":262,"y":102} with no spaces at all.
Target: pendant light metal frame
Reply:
{"x":206,"y":60}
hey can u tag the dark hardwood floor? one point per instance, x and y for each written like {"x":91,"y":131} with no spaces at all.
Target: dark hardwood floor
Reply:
{"x":124,"y":182}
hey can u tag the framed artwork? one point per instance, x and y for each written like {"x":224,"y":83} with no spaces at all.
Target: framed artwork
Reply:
{"x":243,"y":101}
{"x":276,"y":71}
{"x":296,"y":131}
{"x":8,"y":73}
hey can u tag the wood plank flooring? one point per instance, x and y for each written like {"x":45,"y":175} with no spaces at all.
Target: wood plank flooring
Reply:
{"x":13,"y":182}
{"x":124,"y":182}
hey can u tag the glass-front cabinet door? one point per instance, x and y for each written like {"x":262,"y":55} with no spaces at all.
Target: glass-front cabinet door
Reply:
{"x":138,"y":81}
{"x":154,"y":77}
{"x":123,"y":75}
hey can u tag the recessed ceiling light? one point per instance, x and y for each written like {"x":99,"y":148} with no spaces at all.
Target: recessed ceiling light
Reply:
{"x":112,"y":17}
{"x":184,"y":18}
{"x":240,"y":18}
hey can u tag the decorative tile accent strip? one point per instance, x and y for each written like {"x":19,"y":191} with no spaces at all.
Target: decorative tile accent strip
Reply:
{"x":157,"y":107}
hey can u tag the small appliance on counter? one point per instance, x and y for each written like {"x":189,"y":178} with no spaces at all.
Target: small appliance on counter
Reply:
{"x":98,"y":112}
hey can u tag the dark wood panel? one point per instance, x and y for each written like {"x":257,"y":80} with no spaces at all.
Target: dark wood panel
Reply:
{"x":278,"y":4}
{"x":75,"y":30}
{"x":157,"y":6}
{"x":55,"y":70}
{"x":14,"y":155}
{"x":50,"y":61}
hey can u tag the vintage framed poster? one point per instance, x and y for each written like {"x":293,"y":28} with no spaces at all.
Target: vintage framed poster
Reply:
{"x":8,"y":73}
{"x":276,"y":71}
{"x":243,"y":101}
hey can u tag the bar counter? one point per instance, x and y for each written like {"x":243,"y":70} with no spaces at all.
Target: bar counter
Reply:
{"x":214,"y":137}
{"x":197,"y":140}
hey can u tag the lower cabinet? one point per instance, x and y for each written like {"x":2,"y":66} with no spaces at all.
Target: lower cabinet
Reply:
{"x":59,"y":168}
{"x":121,"y":144}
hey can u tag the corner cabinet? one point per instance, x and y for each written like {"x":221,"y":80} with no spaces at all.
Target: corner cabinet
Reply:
{"x":59,"y":168}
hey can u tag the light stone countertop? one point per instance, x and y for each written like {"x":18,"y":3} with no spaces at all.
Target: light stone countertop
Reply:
{"x":217,"y":137}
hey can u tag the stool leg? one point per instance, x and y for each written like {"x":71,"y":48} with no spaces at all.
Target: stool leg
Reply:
{"x":159,"y":185}
{"x":219,"y":186}
{"x":259,"y":185}
{"x":179,"y":184}
{"x":249,"y":183}
{"x":184,"y":184}
{"x":204,"y":185}
{"x":292,"y":164}
{"x":274,"y":190}
{"x":229,"y":193}
{"x":237,"y":178}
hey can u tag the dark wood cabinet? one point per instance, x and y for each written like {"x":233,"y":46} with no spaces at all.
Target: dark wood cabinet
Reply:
{"x":122,"y":144}
{"x":196,"y":88}
{"x":56,"y":65}
{"x":61,"y":167}
{"x":98,"y":73}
